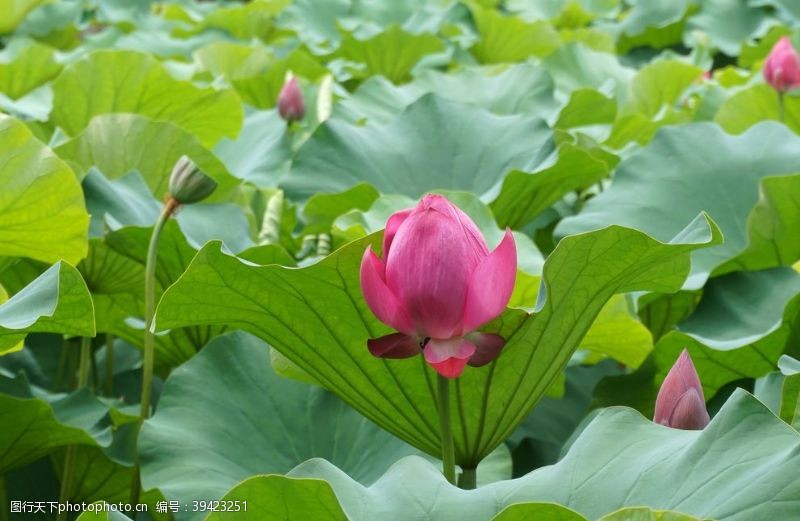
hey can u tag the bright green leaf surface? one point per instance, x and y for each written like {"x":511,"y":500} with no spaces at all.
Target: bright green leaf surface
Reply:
{"x":28,"y":68}
{"x":392,"y":53}
{"x":42,"y":215}
{"x":509,"y":39}
{"x":127,"y":81}
{"x":280,"y":498}
{"x":273,"y":302}
{"x":56,"y":302}
{"x":120,"y":143}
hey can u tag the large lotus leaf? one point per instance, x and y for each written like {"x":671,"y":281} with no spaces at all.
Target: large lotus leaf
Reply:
{"x":620,"y":460}
{"x":245,"y":22}
{"x":740,"y":308}
{"x":262,"y":153}
{"x":510,"y":39}
{"x":661,"y":84}
{"x":22,"y":69}
{"x":42,"y":214}
{"x":14,"y":11}
{"x":728,"y":23}
{"x":35,"y":424}
{"x":119,"y":143}
{"x":126,"y":201}
{"x":772,"y":227}
{"x":392,"y":53}
{"x":651,"y":188}
{"x":575,"y":66}
{"x":521,"y":88}
{"x":317,"y":318}
{"x":754,"y":104}
{"x":128,"y":81}
{"x":617,"y":333}
{"x":116,"y":283}
{"x":280,"y":498}
{"x":553,"y":512}
{"x":56,"y":302}
{"x":434,"y":144}
{"x":723,"y":361}
{"x":525,"y":195}
{"x":261,"y":89}
{"x":230,"y":392}
{"x":540,"y":437}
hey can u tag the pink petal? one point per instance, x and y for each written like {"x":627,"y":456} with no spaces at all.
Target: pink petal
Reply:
{"x":428,"y":267}
{"x":782,"y":67}
{"x":490,"y":285}
{"x":380,"y":299}
{"x":682,"y":380}
{"x":488,"y":347}
{"x":396,"y":345}
{"x":690,"y":412}
{"x":392,"y":225}
{"x":448,"y":356}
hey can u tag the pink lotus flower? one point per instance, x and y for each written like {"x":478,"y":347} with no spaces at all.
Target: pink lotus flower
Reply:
{"x":680,"y":403}
{"x":782,"y":68}
{"x":437,"y":285}
{"x":290,"y":101}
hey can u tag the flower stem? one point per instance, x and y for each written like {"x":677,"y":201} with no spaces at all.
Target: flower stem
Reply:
{"x":468,"y":478}
{"x":448,"y":451}
{"x":781,"y":108}
{"x":4,"y":504}
{"x":109,"y":384}
{"x":149,"y":338}
{"x":71,"y":452}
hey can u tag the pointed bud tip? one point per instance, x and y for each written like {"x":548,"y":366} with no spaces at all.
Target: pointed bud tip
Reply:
{"x":188,"y":184}
{"x":291,"y":106}
{"x":680,"y":403}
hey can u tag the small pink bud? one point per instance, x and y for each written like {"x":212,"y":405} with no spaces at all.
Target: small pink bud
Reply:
{"x":290,"y":101}
{"x":782,"y":68}
{"x":437,"y":284}
{"x":680,"y":403}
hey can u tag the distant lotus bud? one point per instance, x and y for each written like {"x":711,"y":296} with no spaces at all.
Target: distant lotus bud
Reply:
{"x":290,"y":101}
{"x":437,"y":284}
{"x":782,"y":68}
{"x":680,"y":403}
{"x":188,"y":184}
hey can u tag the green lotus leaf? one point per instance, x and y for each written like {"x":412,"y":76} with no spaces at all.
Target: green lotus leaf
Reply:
{"x":127,"y":81}
{"x":271,"y":302}
{"x":42,"y":214}
{"x":230,"y":384}
{"x":56,"y":302}
{"x":656,"y":195}
{"x":418,"y":151}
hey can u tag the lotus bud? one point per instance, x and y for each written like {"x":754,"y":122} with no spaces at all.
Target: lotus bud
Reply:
{"x":188,"y":184}
{"x":782,"y":68}
{"x":290,"y":101}
{"x":437,"y":284}
{"x":680,"y":403}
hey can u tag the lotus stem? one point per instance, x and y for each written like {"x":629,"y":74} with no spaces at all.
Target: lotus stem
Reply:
{"x":109,"y":383}
{"x":468,"y":478}
{"x":149,"y":338}
{"x":448,"y":450}
{"x":68,"y":473}
{"x":4,"y":504}
{"x":781,"y":107}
